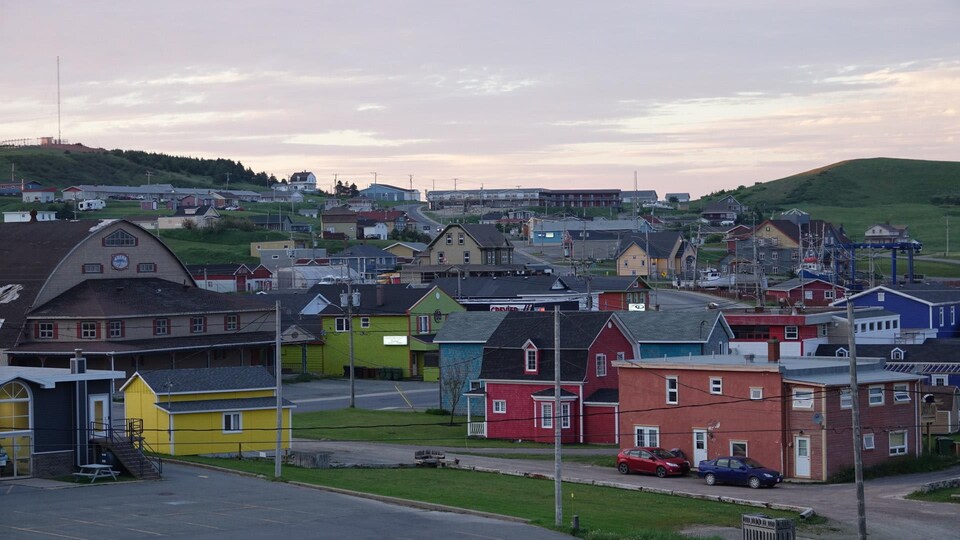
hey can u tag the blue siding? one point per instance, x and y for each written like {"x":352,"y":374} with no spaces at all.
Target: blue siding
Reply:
{"x":470,"y":356}
{"x":916,"y":314}
{"x":659,"y":350}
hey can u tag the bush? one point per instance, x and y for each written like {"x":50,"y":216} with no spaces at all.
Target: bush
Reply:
{"x":438,"y":412}
{"x":897,"y":466}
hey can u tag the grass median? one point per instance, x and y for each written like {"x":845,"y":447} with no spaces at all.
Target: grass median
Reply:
{"x":616,"y":512}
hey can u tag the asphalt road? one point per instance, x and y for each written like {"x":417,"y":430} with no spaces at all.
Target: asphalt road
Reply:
{"x":330,"y":394}
{"x":199,"y":503}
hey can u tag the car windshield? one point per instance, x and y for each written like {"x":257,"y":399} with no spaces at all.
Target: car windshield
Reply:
{"x":751,"y":463}
{"x":662,"y":454}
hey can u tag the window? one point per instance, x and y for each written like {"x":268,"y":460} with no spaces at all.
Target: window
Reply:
{"x":953,"y":315}
{"x":343,"y":324}
{"x":546,"y":414}
{"x":88,"y":330}
{"x":531,"y":360}
{"x":887,"y":324}
{"x":146,"y":268}
{"x":941,"y":316}
{"x":500,"y":406}
{"x":824,"y":330}
{"x":120,"y":238}
{"x":775,"y":255}
{"x":673,"y":392}
{"x":161,"y":327}
{"x":896,"y":324}
{"x":756,"y":393}
{"x":846,"y":398}
{"x":449,"y":239}
{"x":872,"y":327}
{"x":896,"y":354}
{"x":738,"y":448}
{"x":46,"y":330}
{"x":876,"y":395}
{"x":621,"y":356}
{"x":601,"y":365}
{"x":808,"y":294}
{"x":460,"y":238}
{"x":364,"y":322}
{"x":441,"y":257}
{"x":565,"y":415}
{"x":829,"y":294}
{"x":116,"y":329}
{"x":842,"y":353}
{"x":647,"y":435}
{"x":898,"y":443}
{"x":231,"y":323}
{"x":868,"y":442}
{"x":901,"y":393}
{"x":423,"y":324}
{"x":716,"y":385}
{"x":231,"y":422}
{"x":14,"y":407}
{"x":198,"y":325}
{"x":466,"y":257}
{"x":802,"y":398}
{"x":881,"y":296}
{"x":938,"y":380}
{"x":93,"y":268}
{"x":790,"y":332}
{"x":761,"y":256}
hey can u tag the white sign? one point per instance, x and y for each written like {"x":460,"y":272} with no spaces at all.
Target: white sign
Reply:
{"x":636,"y":307}
{"x":394,"y":340}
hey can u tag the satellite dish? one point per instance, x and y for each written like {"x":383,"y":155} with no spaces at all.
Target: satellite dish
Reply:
{"x":818,"y":419}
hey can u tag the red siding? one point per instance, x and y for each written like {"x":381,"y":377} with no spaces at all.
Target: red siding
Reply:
{"x":600,"y":424}
{"x":521,"y":421}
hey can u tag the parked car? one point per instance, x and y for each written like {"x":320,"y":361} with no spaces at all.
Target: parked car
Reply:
{"x":742,"y":471}
{"x":651,"y":460}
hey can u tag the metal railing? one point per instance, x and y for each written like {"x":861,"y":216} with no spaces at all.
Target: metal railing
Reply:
{"x":129,"y":434}
{"x":477,"y":429}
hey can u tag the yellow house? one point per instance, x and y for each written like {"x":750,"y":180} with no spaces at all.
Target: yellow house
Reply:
{"x":658,"y":255}
{"x":226,"y":410}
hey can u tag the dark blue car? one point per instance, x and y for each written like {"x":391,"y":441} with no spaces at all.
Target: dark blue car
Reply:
{"x":742,"y":471}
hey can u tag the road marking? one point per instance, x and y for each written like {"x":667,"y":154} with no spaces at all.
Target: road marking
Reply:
{"x":38,"y":531}
{"x":377,"y":394}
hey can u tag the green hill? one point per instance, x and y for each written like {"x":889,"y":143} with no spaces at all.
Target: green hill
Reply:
{"x":857,"y":183}
{"x":66,"y":165}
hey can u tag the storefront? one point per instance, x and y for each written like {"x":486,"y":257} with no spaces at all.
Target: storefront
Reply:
{"x":16,"y":435}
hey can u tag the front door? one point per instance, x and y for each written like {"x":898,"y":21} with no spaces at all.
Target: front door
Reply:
{"x":802,"y":457}
{"x":699,"y":446}
{"x":99,"y":414}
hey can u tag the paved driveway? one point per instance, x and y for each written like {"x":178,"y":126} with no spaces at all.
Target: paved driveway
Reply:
{"x":889,"y":515}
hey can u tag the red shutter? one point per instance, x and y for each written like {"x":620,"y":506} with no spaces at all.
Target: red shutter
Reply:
{"x":155,"y":327}
{"x":98,"y":331}
{"x":225,"y":319}
{"x":204,"y":324}
{"x":36,"y":330}
{"x":79,"y":331}
{"x":123,"y":329}
{"x":55,"y":329}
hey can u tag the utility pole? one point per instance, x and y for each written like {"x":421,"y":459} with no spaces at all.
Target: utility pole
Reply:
{"x":947,"y":252}
{"x":557,"y":421}
{"x":374,"y":178}
{"x":350,"y":300}
{"x":228,"y":180}
{"x":149,"y":174}
{"x":59,"y":136}
{"x":276,"y":355}
{"x":411,"y":181}
{"x":855,"y":411}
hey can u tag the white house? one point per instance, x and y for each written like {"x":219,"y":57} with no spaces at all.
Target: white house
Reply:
{"x":41,"y":195}
{"x":303,"y":181}
{"x":24,"y":216}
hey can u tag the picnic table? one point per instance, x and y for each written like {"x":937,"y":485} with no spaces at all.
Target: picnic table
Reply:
{"x":94,"y":471}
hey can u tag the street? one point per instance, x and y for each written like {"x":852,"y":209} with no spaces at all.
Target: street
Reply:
{"x":327,"y":394}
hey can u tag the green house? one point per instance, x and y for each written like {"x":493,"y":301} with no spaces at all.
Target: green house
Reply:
{"x":393,"y":330}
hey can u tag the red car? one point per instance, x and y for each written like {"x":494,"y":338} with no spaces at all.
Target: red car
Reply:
{"x":651,"y":460}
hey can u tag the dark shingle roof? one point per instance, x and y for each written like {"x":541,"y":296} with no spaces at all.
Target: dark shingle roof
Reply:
{"x":208,"y":405}
{"x":550,"y":392}
{"x":930,"y":351}
{"x":672,"y":326}
{"x":221,"y":379}
{"x":470,"y":327}
{"x":487,"y":236}
{"x":132,"y":297}
{"x":501,"y":287}
{"x":363,"y":250}
{"x":661,"y":243}
{"x":604,"y":395}
{"x":397,"y":299}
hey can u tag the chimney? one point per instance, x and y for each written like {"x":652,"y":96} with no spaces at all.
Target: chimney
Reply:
{"x":379,"y":295}
{"x":773,"y":350}
{"x":78,"y":364}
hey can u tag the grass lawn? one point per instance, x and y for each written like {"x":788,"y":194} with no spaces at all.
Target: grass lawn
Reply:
{"x":949,"y":495}
{"x":402,"y":427}
{"x":608,"y":459}
{"x":600,"y":509}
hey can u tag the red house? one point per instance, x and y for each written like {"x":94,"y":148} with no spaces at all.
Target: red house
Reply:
{"x":517,"y":377}
{"x":806,"y":292}
{"x":789,"y":414}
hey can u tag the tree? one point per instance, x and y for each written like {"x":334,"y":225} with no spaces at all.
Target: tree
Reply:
{"x":453,"y":382}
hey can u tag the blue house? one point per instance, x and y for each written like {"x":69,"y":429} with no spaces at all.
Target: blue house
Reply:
{"x":920,"y":306}
{"x":676,"y":333}
{"x":461,"y":342}
{"x":385,"y":192}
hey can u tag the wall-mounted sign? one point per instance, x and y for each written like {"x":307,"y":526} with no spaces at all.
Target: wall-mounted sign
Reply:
{"x":394,"y":340}
{"x":636,"y":307}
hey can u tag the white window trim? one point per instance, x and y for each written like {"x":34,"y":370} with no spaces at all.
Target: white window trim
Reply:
{"x":871,"y":393}
{"x":716,"y":385}
{"x":500,"y":406}
{"x":746,"y":448}
{"x":675,"y":391}
{"x":898,"y":450}
{"x":45,"y":330}
{"x":869,"y":442}
{"x":647,"y":431}
{"x":364,"y":322}
{"x":903,"y":394}
{"x":791,"y":334}
{"x":849,"y":398}
{"x":601,"y":360}
{"x":803,"y":402}
{"x":237,"y":428}
{"x":341,"y":324}
{"x":939,"y":380}
{"x":565,"y":415}
{"x":527,"y":360}
{"x":756,"y":392}
{"x":546,"y":418}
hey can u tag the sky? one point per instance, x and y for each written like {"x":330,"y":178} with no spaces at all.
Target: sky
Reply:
{"x":689,"y":96}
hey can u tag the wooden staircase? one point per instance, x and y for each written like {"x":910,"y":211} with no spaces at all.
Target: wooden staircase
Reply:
{"x":126,"y":444}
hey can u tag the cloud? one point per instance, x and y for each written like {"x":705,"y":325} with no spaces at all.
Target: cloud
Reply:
{"x":348,"y":137}
{"x":369,"y":107}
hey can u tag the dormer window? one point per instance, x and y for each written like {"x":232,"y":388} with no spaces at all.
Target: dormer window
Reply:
{"x":842,"y":353}
{"x":531,"y":358}
{"x":896,"y":354}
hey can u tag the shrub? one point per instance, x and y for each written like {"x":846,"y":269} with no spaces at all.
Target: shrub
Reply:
{"x":438,"y":412}
{"x":897,"y":466}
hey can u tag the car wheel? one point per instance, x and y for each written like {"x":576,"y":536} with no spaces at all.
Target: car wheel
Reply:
{"x":623,"y":468}
{"x":661,"y":472}
{"x":710,"y":478}
{"x":754,"y":482}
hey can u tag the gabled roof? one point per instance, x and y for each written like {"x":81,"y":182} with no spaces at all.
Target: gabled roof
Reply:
{"x":929,"y":352}
{"x":193,"y":380}
{"x":661,"y":244}
{"x":502,"y":287}
{"x":931,"y":295}
{"x":605,"y":283}
{"x":49,"y":377}
{"x":271,"y":218}
{"x":388,"y":186}
{"x":382,"y":215}
{"x":674,"y":326}
{"x":415,"y":246}
{"x":142,"y":297}
{"x":213,"y":405}
{"x":218,"y":269}
{"x":303,"y":176}
{"x":362,"y":250}
{"x":604,"y":395}
{"x":470,"y":327}
{"x":486,"y":236}
{"x":187,"y":211}
{"x":796,"y":283}
{"x":397,"y":299}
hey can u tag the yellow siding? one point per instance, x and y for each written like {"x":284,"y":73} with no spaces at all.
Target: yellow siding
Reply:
{"x":431,"y":374}
{"x":140,"y":402}
{"x":291,"y":358}
{"x":202,"y":433}
{"x":233,"y":394}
